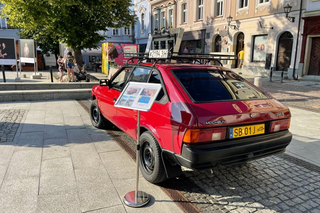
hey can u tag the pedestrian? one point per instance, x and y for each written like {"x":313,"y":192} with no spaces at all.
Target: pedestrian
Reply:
{"x":70,"y":61}
{"x":185,"y":50}
{"x":241,"y":58}
{"x":60,"y":62}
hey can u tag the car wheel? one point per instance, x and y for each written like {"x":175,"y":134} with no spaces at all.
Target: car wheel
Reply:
{"x":97,"y":119}
{"x":151,"y":164}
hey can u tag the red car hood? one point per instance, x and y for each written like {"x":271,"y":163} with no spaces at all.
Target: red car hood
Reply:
{"x":239,"y":112}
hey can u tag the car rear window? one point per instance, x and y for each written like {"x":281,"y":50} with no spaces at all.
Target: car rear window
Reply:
{"x":206,"y":85}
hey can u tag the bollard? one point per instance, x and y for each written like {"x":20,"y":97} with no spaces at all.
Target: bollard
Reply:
{"x":281,"y":77}
{"x":3,"y":74}
{"x":51,"y":74}
{"x":258,"y":81}
{"x":270,"y":75}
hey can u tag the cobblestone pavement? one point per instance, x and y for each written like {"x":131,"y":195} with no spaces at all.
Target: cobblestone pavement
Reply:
{"x":301,"y":94}
{"x":9,"y":123}
{"x":274,"y":184}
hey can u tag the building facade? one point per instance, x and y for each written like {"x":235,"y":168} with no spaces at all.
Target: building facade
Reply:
{"x":6,"y":31}
{"x":267,"y":34}
{"x":143,"y":25}
{"x":309,"y":64}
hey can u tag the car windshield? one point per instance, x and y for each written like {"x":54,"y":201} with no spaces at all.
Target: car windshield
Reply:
{"x":205,"y":85}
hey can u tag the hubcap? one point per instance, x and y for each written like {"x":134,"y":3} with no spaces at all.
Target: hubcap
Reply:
{"x":148,"y":158}
{"x":95,"y":114}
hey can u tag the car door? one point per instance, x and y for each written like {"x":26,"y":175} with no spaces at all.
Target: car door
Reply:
{"x":109,"y":94}
{"x":127,"y":118}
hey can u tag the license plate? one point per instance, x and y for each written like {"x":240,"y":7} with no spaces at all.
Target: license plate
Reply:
{"x":244,"y":131}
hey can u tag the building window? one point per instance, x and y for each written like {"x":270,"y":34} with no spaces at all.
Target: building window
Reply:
{"x":259,"y":48}
{"x":200,"y":10}
{"x":115,"y":31}
{"x":142,"y":21}
{"x":171,"y":17}
{"x":163,"y":19}
{"x":156,"y":21}
{"x":3,"y":23}
{"x":219,"y":7}
{"x":263,"y":1}
{"x":243,"y":3}
{"x":184,"y":14}
{"x":127,"y":31}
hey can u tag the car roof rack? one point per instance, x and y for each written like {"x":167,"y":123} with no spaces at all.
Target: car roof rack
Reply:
{"x":167,"y":56}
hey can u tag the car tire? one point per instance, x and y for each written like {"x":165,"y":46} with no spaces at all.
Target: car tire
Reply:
{"x":150,"y":161}
{"x":97,"y":118}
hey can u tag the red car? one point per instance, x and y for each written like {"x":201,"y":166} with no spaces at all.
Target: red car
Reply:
{"x":204,"y":116}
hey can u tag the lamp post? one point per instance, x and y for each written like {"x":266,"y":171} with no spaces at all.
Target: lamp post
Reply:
{"x":287,"y":10}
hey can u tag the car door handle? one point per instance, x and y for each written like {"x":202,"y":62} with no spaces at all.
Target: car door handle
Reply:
{"x":114,"y":99}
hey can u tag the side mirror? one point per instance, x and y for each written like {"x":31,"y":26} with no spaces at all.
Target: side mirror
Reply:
{"x":104,"y":82}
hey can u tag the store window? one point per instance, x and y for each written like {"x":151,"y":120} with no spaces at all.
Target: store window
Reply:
{"x":200,"y":10}
{"x":219,"y":8}
{"x":259,"y":48}
{"x":243,"y":3}
{"x":115,"y":31}
{"x":184,"y":14}
{"x":142,"y":21}
{"x":171,"y":18}
{"x":217,"y":44}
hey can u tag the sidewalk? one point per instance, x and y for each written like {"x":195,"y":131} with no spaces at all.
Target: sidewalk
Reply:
{"x":54,"y":160}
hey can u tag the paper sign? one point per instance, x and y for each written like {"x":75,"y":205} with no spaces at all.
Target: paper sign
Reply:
{"x":138,"y":96}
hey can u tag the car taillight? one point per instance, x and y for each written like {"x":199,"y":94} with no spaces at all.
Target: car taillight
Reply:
{"x":280,"y":125}
{"x":204,"y":135}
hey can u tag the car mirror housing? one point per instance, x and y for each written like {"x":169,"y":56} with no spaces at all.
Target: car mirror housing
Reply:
{"x":104,"y":82}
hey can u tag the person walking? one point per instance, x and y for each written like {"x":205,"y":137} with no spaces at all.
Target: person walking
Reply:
{"x":241,"y":58}
{"x":70,"y":61}
{"x":60,"y":62}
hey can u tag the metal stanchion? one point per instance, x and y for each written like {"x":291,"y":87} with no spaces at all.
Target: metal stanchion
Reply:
{"x":137,"y":198}
{"x":3,"y":74}
{"x":281,"y":77}
{"x":51,"y":74}
{"x":271,"y":74}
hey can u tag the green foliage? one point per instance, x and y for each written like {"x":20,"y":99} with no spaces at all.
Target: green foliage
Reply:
{"x":74,"y":22}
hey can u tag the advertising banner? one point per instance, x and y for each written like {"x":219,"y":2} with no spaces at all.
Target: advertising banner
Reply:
{"x":27,"y":50}
{"x":105,"y":61}
{"x":114,"y":53}
{"x":7,"y":51}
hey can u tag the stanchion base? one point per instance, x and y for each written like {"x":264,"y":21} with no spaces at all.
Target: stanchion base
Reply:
{"x":17,"y":79}
{"x":142,"y":199}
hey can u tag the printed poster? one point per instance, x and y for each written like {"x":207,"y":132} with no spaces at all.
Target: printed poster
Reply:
{"x":138,"y":96}
{"x":27,"y":50}
{"x":7,"y":51}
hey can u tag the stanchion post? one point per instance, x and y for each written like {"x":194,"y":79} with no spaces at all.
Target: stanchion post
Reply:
{"x":137,"y":198}
{"x":3,"y":74}
{"x":51,"y":74}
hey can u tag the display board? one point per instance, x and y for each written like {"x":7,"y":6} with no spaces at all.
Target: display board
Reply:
{"x":27,"y":50}
{"x":64,"y":49}
{"x":138,"y":96}
{"x":8,"y":54}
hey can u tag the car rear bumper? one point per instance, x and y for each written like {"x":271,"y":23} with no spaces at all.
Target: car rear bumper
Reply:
{"x":232,"y":152}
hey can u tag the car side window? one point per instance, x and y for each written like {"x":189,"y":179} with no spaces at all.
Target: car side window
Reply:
{"x":140,"y":74}
{"x":119,"y":81}
{"x":155,"y":78}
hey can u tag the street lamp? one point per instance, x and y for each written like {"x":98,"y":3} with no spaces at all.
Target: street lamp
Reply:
{"x":287,"y":10}
{"x":229,"y":19}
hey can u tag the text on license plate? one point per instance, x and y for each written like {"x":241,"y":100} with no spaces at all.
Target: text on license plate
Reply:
{"x":243,"y":131}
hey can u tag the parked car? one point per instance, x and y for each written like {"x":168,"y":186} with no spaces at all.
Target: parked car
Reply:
{"x":204,"y":116}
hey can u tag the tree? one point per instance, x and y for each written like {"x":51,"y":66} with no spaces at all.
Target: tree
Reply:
{"x":78,"y":23}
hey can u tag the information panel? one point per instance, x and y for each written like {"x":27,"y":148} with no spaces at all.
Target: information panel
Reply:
{"x":138,"y":96}
{"x":7,"y":51}
{"x":27,"y":50}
